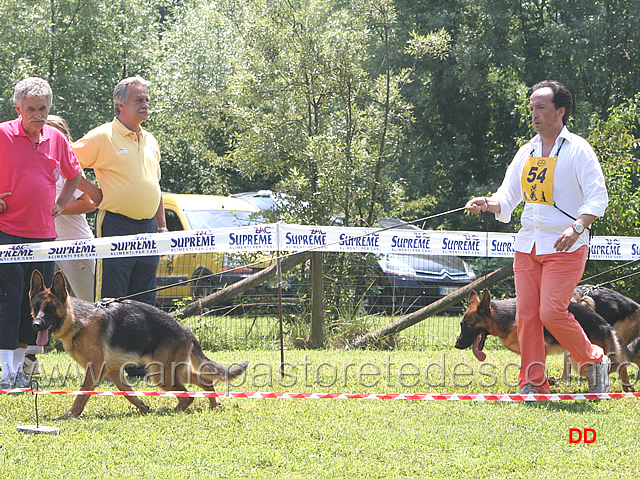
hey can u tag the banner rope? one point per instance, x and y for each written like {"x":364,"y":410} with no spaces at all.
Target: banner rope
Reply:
{"x":294,"y":395}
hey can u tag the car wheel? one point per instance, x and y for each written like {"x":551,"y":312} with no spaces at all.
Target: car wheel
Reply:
{"x":205,"y":285}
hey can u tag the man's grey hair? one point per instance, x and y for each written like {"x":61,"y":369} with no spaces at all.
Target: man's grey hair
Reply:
{"x":32,"y":87}
{"x":121,"y":92}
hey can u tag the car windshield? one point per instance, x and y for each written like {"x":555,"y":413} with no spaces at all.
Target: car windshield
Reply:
{"x":209,"y":219}
{"x":424,"y":263}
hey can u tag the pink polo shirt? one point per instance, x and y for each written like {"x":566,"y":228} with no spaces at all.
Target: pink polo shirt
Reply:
{"x":30,"y":173}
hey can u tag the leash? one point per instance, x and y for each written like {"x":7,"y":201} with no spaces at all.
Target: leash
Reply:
{"x":107,"y":301}
{"x":590,"y":289}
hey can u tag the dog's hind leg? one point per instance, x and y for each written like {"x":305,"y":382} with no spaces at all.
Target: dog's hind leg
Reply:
{"x":178,"y":374}
{"x":118,"y":379}
{"x":200,"y":380}
{"x":624,"y":378}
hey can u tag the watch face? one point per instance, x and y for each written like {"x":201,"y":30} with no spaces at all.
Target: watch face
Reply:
{"x":578,"y":228}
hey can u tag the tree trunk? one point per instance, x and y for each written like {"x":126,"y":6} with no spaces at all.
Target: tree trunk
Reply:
{"x":436,"y":307}
{"x":230,"y":291}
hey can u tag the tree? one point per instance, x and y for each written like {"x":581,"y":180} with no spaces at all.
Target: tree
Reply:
{"x":615,"y":141}
{"x":82,"y":47}
{"x":468,"y":108}
{"x":322,"y":115}
{"x":192,"y":71}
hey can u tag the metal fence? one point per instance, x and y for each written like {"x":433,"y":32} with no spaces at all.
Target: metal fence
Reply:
{"x":361,"y":292}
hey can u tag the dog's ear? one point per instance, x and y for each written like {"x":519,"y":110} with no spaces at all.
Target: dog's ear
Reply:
{"x":485,"y":303}
{"x":59,"y":287}
{"x":37,"y":283}
{"x":473,"y":297}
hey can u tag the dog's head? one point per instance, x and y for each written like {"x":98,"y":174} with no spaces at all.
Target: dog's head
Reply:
{"x":48,"y":306}
{"x":474,"y":326}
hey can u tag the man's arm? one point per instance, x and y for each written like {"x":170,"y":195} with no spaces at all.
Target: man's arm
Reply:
{"x":65,"y":195}
{"x":79,"y":206}
{"x":92,"y":190}
{"x":161,"y":221}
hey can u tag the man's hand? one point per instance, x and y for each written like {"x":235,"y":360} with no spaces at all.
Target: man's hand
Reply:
{"x":566,"y":240}
{"x":3,"y":203}
{"x":57,"y":210}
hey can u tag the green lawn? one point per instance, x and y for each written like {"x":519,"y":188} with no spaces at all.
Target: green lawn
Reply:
{"x":327,"y":438}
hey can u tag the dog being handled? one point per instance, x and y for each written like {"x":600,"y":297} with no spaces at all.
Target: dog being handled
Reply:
{"x":105,"y":337}
{"x":620,"y":311}
{"x":498,"y":317}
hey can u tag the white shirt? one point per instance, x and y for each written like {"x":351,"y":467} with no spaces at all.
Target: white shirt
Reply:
{"x":578,"y":188}
{"x":71,"y":227}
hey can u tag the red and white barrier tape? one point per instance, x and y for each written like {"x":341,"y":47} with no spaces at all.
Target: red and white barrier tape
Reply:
{"x":291,"y":395}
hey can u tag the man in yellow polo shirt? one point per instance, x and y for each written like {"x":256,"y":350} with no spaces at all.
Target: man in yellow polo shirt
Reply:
{"x":126,"y":160}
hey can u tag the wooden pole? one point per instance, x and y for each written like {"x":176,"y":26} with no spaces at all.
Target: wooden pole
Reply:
{"x":317,"y":300}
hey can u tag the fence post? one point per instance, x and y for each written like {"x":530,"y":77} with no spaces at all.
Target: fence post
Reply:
{"x":317,"y":300}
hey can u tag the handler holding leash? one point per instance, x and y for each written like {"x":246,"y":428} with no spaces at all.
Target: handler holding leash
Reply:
{"x":558,"y":176}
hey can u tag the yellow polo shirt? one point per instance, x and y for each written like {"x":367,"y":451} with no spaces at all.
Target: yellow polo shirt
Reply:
{"x":128,"y":171}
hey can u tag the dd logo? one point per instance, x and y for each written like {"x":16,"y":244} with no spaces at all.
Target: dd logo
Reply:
{"x":587,"y":435}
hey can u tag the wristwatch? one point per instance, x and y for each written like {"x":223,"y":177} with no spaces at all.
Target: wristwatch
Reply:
{"x":578,"y":228}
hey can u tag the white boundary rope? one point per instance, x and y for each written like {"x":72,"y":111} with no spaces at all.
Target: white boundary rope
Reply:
{"x":293,"y":395}
{"x":296,"y":238}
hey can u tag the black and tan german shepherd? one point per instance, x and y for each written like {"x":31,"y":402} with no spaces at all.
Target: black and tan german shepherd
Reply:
{"x":620,"y":311}
{"x":498,"y":318}
{"x":106,"y":337}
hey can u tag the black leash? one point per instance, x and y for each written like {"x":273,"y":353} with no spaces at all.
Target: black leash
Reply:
{"x":590,"y":289}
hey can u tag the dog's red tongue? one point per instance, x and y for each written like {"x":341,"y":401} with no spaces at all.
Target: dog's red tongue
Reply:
{"x":478,"y":344}
{"x":43,"y":337}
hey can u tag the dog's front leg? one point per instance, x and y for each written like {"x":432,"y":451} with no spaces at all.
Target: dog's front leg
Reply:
{"x":91,"y":380}
{"x":77,"y":407}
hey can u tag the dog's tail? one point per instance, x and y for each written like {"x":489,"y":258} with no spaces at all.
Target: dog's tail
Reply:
{"x":205,"y":366}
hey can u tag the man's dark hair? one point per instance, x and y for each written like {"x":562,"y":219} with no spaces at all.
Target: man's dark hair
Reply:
{"x":561,"y":96}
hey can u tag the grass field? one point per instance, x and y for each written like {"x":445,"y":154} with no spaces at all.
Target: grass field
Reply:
{"x":328,"y":438}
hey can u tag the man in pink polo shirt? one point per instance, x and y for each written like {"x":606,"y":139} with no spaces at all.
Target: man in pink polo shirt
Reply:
{"x":33,"y":155}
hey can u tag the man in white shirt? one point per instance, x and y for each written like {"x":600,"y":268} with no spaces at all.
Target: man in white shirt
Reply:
{"x":558,"y":176}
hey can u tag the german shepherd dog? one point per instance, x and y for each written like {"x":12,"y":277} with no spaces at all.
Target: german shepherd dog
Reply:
{"x":618,"y":310}
{"x":105,"y":337}
{"x":498,"y":317}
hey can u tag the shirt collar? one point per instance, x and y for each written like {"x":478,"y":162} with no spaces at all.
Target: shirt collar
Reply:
{"x":565,"y":134}
{"x":18,"y":130}
{"x":123,"y":130}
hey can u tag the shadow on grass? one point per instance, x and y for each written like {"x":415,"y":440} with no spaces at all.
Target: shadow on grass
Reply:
{"x":133,"y":413}
{"x":578,"y":407}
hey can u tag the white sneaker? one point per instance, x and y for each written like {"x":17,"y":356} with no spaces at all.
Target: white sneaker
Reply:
{"x":31,"y":365}
{"x":7,"y":383}
{"x":22,"y":380}
{"x":16,"y":381}
{"x":598,"y":376}
{"x":528,"y":389}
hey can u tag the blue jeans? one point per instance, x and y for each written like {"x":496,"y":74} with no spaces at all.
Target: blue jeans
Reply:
{"x":129,"y":275}
{"x":15,"y":282}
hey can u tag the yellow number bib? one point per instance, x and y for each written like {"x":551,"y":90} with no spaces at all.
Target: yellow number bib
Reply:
{"x":537,"y":179}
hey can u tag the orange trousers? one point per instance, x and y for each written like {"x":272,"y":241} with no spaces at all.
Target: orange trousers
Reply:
{"x":544,"y":286}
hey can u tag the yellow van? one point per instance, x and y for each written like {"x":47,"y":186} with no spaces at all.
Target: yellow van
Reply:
{"x":196,"y":212}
